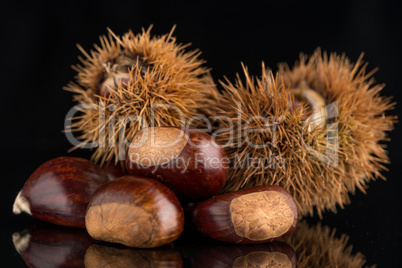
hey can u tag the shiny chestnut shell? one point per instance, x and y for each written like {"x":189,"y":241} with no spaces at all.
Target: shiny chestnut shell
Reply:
{"x":255,"y":215}
{"x":136,"y":212}
{"x":114,"y":171}
{"x":59,"y":191}
{"x":187,"y":160}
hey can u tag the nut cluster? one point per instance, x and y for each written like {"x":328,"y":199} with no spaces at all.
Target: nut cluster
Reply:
{"x":316,"y":137}
{"x":168,"y":168}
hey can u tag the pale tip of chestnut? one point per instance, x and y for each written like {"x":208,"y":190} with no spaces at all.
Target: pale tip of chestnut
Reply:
{"x":315,"y":101}
{"x":21,"y":242}
{"x":21,"y":204}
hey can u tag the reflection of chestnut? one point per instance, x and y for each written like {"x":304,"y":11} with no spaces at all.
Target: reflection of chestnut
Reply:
{"x":255,"y":215}
{"x":276,"y":254}
{"x":134,"y":211}
{"x":189,"y":161}
{"x":59,"y":191}
{"x":109,"y":256}
{"x":44,"y":245}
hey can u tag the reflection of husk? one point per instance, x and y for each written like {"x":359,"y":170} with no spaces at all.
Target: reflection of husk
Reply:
{"x":174,"y":80}
{"x":318,"y":166}
{"x":109,"y":256}
{"x":318,"y":247}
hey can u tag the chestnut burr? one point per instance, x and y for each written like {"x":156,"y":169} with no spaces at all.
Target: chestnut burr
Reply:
{"x":59,"y":191}
{"x":249,"y":216}
{"x":189,"y":161}
{"x":136,"y":212}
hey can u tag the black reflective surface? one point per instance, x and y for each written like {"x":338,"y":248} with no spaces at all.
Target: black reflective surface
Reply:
{"x":38,"y":48}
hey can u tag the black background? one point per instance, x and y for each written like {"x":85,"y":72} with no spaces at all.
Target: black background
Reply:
{"x":38,"y":47}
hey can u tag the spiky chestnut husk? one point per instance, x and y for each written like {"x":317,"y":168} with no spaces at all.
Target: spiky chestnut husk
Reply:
{"x":281,"y":135}
{"x":124,"y":77}
{"x":319,"y":246}
{"x":299,"y":158}
{"x":362,"y":118}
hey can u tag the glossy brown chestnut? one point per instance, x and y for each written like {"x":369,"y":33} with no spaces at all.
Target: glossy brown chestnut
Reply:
{"x":134,"y":211}
{"x":59,"y":191}
{"x":189,"y":161}
{"x":275,"y":254}
{"x":123,"y":257}
{"x":52,"y":246}
{"x":114,"y":171}
{"x":255,"y":215}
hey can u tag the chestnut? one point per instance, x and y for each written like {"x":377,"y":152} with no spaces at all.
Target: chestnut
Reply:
{"x":46,"y":245}
{"x":249,"y":216}
{"x":187,"y":160}
{"x":136,"y":212}
{"x":123,"y":257}
{"x":117,"y":73}
{"x":114,"y":171}
{"x":316,"y":113}
{"x":275,"y":254}
{"x":59,"y":191}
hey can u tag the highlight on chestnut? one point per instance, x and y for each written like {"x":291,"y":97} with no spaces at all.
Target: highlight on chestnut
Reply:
{"x":187,"y":160}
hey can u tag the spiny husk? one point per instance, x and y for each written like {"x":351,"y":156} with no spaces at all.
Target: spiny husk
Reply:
{"x":317,"y":167}
{"x":318,"y":246}
{"x":362,"y":117}
{"x":177,"y":79}
{"x":284,"y":161}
